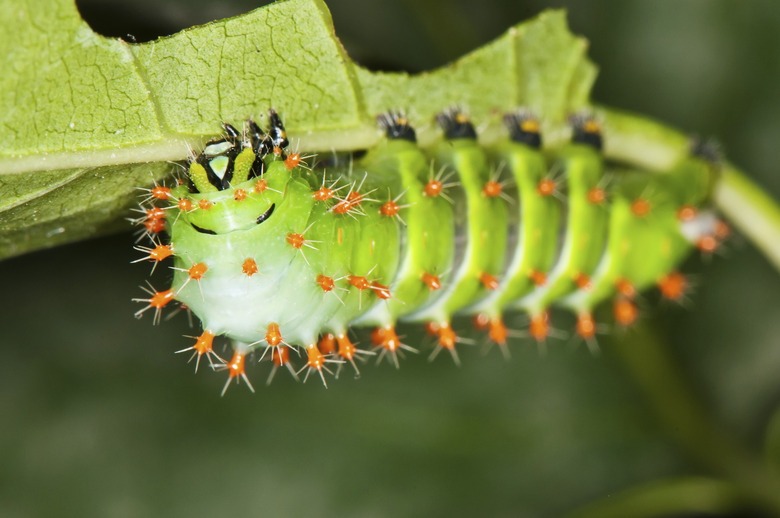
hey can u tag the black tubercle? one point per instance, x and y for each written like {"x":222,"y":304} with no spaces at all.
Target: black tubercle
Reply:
{"x":586,"y":130}
{"x":203,"y":230}
{"x":708,"y":150}
{"x":277,"y":132}
{"x":396,"y":127}
{"x":233,"y":135}
{"x":261,"y":143}
{"x":267,"y":214}
{"x":523,"y":128}
{"x":456,"y":125}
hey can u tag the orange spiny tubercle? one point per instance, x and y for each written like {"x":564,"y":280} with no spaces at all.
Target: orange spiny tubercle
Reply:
{"x":296,"y":240}
{"x":273,"y":337}
{"x":492,"y":189}
{"x":489,"y":281}
{"x":432,"y":281}
{"x":540,"y":326}
{"x":673,"y":286}
{"x":586,"y":326}
{"x":249,"y":267}
{"x":197,"y":271}
{"x":640,"y":207}
{"x":597,"y":196}
{"x":546,"y":187}
{"x":538,"y":278}
{"x":326,"y":283}
{"x":625,"y":311}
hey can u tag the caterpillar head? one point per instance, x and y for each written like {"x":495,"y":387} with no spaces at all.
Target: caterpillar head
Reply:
{"x":230,"y":225}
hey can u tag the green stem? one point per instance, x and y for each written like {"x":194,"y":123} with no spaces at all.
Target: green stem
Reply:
{"x":647,"y":359}
{"x":751,"y":210}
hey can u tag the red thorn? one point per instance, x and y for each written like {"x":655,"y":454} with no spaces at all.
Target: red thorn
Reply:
{"x":154,"y":226}
{"x":161,"y":192}
{"x":346,"y":347}
{"x":686,"y":213}
{"x":432,"y":328}
{"x":197,"y":271}
{"x":327,"y":344}
{"x":707,"y":244}
{"x":390,"y":209}
{"x":540,"y":326}
{"x":722,"y":230}
{"x":489,"y":281}
{"x":354,"y":198}
{"x":326,"y":283}
{"x":296,"y":240}
{"x":315,"y":359}
{"x":640,"y":207}
{"x":481,"y":321}
{"x":447,"y":337}
{"x":497,"y":331}
{"x":261,"y":186}
{"x":538,"y":278}
{"x":249,"y":268}
{"x":586,"y":326}
{"x":273,"y":336}
{"x":433,"y":188}
{"x":596,"y":196}
{"x":292,"y":161}
{"x":280,"y":356}
{"x":155,"y":213}
{"x":492,"y":189}
{"x":160,"y":253}
{"x":385,"y":337}
{"x":239,"y":195}
{"x":359,"y":282}
{"x":205,"y":204}
{"x":382,"y":291}
{"x":673,"y":285}
{"x":546,"y":187}
{"x":160,"y":298}
{"x":625,"y":288}
{"x":323,"y":194}
{"x":185,"y":204}
{"x":625,"y":311}
{"x":582,"y":281}
{"x":204,"y":343}
{"x":432,"y":281}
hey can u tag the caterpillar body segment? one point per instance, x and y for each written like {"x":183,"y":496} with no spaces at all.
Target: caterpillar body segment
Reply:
{"x":480,"y":217}
{"x":272,"y":253}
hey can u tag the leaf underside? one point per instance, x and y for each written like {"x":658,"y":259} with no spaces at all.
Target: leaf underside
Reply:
{"x":85,"y":120}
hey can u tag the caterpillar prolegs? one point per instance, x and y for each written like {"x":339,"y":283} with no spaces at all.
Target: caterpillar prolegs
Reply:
{"x":278,"y":252}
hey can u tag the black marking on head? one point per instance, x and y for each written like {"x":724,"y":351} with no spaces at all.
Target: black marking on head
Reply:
{"x":233,"y":135}
{"x":261,"y":143}
{"x":203,"y":230}
{"x":230,"y":154}
{"x":587,"y":130}
{"x":267,"y":214}
{"x":277,"y":132}
{"x":523,"y":128}
{"x":397,"y":127}
{"x":708,"y":150}
{"x":456,"y":125}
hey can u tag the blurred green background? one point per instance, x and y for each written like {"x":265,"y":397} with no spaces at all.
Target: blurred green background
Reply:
{"x":99,"y":418}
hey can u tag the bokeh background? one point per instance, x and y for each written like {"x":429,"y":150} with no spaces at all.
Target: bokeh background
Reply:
{"x":99,"y":418}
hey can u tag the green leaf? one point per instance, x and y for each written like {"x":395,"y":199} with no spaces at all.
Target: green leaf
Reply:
{"x":87,"y":119}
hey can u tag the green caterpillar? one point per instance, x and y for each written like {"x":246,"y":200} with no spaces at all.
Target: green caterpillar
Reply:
{"x":275,"y":254}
